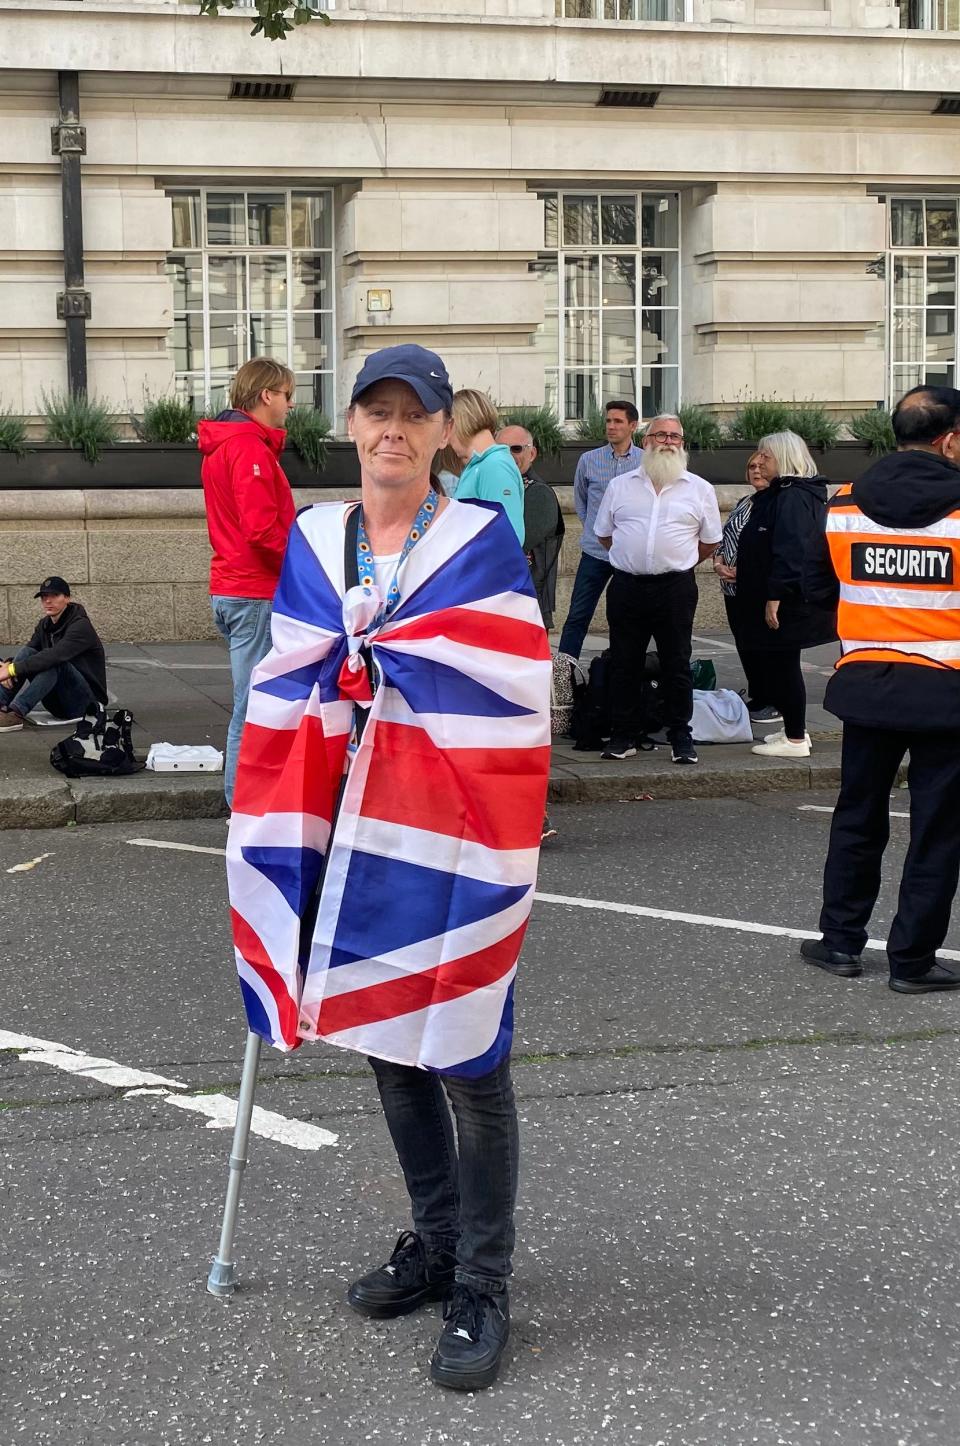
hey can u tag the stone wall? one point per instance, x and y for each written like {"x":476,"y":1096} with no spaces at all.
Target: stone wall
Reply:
{"x":139,"y":560}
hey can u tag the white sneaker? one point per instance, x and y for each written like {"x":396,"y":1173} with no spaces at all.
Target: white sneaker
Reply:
{"x":783,"y":748}
{"x":779,"y":737}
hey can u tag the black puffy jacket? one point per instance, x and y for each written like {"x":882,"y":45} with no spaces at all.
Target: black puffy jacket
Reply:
{"x":784,"y":529}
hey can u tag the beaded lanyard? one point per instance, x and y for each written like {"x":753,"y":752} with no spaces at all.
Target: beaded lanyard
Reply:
{"x":365,"y":569}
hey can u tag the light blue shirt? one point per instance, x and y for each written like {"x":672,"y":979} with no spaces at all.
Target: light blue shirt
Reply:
{"x":595,"y":471}
{"x":494,"y":476}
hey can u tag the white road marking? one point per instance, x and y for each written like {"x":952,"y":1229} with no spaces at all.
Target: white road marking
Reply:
{"x":823,"y":808}
{"x":170,"y":667}
{"x":159,"y":843}
{"x":30,"y":864}
{"x":642,"y":911}
{"x":220,"y":1109}
{"x":222,"y":1112}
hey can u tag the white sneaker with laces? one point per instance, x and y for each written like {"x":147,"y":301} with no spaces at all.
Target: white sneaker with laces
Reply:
{"x":780,"y":735}
{"x":783,"y":748}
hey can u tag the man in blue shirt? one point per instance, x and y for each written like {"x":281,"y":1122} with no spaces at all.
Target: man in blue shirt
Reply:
{"x":595,"y":471}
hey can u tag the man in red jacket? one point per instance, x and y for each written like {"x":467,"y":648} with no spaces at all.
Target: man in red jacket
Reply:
{"x":250,"y":511}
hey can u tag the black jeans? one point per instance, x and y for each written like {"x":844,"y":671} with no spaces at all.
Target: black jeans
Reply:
{"x":593,"y":574}
{"x":462,"y":1199}
{"x":859,"y":834}
{"x":638,"y":609}
{"x":786,"y":689}
{"x":752,"y":661}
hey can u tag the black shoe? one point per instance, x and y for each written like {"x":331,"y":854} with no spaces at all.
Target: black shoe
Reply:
{"x":475,"y":1332}
{"x":845,"y":966}
{"x":764,"y":713}
{"x":409,"y":1279}
{"x":683,"y":750}
{"x":619,"y":748}
{"x":936,"y":977}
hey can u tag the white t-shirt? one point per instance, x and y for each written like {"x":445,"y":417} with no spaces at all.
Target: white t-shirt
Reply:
{"x":384,"y":571}
{"x":657,"y":532}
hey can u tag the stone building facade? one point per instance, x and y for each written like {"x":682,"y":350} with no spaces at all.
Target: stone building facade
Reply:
{"x":692,"y":200}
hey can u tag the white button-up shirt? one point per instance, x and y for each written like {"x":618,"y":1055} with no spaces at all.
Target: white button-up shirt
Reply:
{"x":656,"y":532}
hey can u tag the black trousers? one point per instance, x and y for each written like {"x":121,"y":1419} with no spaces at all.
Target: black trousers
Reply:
{"x":859,"y":835}
{"x":751,"y":661}
{"x":786,"y":689}
{"x":638,"y":609}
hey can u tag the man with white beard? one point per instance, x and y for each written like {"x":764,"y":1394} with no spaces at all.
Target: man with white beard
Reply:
{"x":657,"y":523}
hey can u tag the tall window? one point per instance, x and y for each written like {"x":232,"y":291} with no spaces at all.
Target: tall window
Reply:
{"x":925,"y":249}
{"x":620,"y":9}
{"x":252,"y":275}
{"x":611,"y":273}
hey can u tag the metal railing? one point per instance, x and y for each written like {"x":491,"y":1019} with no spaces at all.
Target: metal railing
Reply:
{"x":641,"y":10}
{"x":929,"y":14}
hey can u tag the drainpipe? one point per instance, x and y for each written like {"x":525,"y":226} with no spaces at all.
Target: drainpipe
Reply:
{"x":69,"y":142}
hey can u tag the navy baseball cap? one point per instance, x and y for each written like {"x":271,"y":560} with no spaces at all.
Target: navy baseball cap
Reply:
{"x":421,"y":369}
{"x":53,"y":585}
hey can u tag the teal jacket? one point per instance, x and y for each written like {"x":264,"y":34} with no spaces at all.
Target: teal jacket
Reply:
{"x":493,"y":476}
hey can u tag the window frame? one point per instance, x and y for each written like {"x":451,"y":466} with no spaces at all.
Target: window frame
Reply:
{"x":561,"y":253}
{"x":185,"y":381}
{"x":894,"y":369}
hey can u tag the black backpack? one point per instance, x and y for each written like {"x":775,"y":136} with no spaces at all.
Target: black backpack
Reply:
{"x":592,"y":721}
{"x":100,"y":747}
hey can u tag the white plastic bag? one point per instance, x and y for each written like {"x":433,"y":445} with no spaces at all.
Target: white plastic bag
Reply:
{"x":720,"y":716}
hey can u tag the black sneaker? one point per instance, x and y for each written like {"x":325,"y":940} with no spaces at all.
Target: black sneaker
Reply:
{"x":765,"y":714}
{"x":683,"y":751}
{"x":619,"y":748}
{"x":475,"y":1331}
{"x":409,"y":1279}
{"x":835,"y":961}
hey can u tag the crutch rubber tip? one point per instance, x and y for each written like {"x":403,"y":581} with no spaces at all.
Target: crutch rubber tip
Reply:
{"x":222,"y":1278}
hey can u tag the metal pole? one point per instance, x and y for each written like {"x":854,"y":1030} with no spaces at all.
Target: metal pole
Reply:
{"x":222,"y":1279}
{"x":70,"y":143}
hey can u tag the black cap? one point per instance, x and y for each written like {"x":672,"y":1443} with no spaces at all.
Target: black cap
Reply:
{"x":421,"y":369}
{"x":51,"y":585}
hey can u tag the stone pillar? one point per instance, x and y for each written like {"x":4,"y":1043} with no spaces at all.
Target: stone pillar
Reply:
{"x":455,"y":260}
{"x":782,"y":295}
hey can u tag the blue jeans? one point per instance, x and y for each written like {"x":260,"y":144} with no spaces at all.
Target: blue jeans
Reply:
{"x":463,"y":1199}
{"x":63,"y":689}
{"x":244,"y":625}
{"x":593,"y":574}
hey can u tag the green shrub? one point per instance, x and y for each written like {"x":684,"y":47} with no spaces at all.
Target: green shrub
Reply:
{"x":592,"y":426}
{"x":542,"y":424}
{"x":700,"y":428}
{"x":13,"y":434}
{"x":757,"y":419}
{"x":813,"y":424}
{"x":308,"y":431}
{"x":84,"y":423}
{"x":166,"y":419}
{"x":876,"y":429}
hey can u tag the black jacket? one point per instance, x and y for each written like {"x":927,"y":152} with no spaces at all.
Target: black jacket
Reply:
{"x":906,"y":489}
{"x":542,"y":540}
{"x":785,"y":526}
{"x":71,"y":639}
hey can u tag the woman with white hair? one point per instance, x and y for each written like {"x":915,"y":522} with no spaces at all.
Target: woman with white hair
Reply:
{"x":786,"y":520}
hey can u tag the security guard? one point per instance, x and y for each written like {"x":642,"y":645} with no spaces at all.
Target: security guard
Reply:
{"x":891,"y":560}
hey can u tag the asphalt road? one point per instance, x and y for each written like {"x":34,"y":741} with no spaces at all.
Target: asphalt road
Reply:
{"x":738,"y":1201}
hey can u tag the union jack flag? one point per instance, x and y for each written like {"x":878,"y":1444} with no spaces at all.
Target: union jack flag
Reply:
{"x":409,"y":950}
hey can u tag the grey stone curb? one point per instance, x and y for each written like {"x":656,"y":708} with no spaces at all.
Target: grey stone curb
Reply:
{"x":32,"y":803}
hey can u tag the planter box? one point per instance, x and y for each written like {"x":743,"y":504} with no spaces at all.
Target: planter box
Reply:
{"x":725,"y":465}
{"x":141,"y":465}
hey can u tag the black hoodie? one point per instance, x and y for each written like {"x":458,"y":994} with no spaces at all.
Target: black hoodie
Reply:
{"x":907,"y":489}
{"x":71,"y":638}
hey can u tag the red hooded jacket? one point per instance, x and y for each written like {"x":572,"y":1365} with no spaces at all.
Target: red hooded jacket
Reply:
{"x":250,"y":507}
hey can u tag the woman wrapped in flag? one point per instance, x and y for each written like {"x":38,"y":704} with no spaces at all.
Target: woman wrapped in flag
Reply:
{"x":384,"y":842}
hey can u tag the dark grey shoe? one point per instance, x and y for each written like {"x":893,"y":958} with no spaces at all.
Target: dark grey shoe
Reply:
{"x":845,"y":966}
{"x":475,"y":1332}
{"x":936,"y":977}
{"x":409,"y":1279}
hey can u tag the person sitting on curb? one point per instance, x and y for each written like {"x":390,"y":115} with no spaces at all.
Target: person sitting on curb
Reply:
{"x":63,"y":666}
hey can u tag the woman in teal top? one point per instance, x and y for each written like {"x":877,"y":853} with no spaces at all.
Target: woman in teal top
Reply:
{"x":490,"y":473}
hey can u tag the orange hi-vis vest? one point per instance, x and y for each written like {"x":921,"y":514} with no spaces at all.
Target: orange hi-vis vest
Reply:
{"x":899,"y":587}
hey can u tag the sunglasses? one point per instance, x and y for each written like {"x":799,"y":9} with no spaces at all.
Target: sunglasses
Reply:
{"x":518,"y":447}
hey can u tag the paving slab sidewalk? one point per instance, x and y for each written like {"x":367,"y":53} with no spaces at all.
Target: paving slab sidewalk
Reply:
{"x":180,"y":693}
